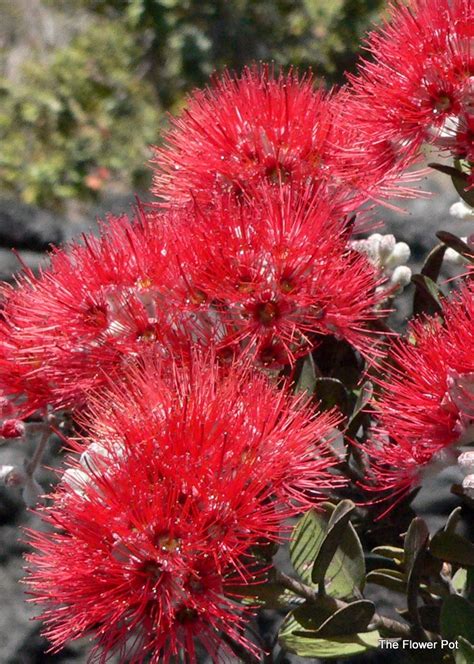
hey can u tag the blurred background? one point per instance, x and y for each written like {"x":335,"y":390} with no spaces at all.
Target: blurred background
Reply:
{"x":85,"y":88}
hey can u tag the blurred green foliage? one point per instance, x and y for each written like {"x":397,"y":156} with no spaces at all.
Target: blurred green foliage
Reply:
{"x":86,"y":115}
{"x":68,"y":128}
{"x":184,"y":41}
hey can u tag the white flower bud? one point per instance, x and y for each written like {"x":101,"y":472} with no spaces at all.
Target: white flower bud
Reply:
{"x":399,"y":256}
{"x":461,"y":210}
{"x":468,"y":486}
{"x":452,"y":257}
{"x":386,"y":247}
{"x":76,"y":479}
{"x":466,"y":462}
{"x":401,"y":276}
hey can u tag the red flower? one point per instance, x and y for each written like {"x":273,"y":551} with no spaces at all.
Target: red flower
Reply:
{"x":271,"y":128}
{"x":178,"y":481}
{"x":65,"y":330}
{"x":427,"y":405}
{"x":416,"y":85}
{"x":272,"y":273}
{"x":12,"y":428}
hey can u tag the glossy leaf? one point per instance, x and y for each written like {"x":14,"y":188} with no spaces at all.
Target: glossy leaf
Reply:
{"x":330,"y":392}
{"x":453,"y":520}
{"x":416,"y":541}
{"x":434,"y":262}
{"x":391,"y":552}
{"x":342,"y":646}
{"x":426,"y":299}
{"x":452,"y":548}
{"x":465,"y":654}
{"x":355,"y":617}
{"x":336,"y":527}
{"x":306,"y":540}
{"x":455,"y":243}
{"x":457,"y":618}
{"x":388,"y":578}
{"x":307,"y":377}
{"x":309,"y":617}
{"x":270,"y":595}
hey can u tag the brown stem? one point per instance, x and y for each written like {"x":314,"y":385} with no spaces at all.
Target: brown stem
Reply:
{"x":35,"y":460}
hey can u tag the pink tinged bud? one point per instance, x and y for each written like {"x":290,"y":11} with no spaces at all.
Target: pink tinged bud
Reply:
{"x":12,"y":476}
{"x":13,"y":428}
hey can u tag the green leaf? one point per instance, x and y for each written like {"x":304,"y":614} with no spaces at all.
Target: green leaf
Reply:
{"x":307,"y":378}
{"x":388,"y":578}
{"x":363,"y":398}
{"x":443,"y":168}
{"x":306,"y":540}
{"x":341,"y":646}
{"x":465,"y":654}
{"x":452,"y":548}
{"x":345,"y":574}
{"x":391,"y":552}
{"x":460,"y":184}
{"x":309,"y":617}
{"x":426,"y":299}
{"x":459,"y":581}
{"x":453,"y":520}
{"x":457,"y":618}
{"x":354,"y":617}
{"x":337,"y":525}
{"x":271,"y":595}
{"x":459,"y":180}
{"x":416,"y":541}
{"x":434,"y":262}
{"x":331,"y":392}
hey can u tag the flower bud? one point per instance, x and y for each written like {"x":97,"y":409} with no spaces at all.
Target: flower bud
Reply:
{"x":12,"y":476}
{"x":401,"y":276}
{"x":452,"y":257}
{"x":386,"y":247}
{"x":399,"y":256}
{"x":461,"y":210}
{"x":468,"y":486}
{"x":76,"y":479}
{"x":466,"y":462}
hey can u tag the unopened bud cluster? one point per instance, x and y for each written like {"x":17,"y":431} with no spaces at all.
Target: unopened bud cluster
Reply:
{"x":388,"y":255}
{"x":466,"y":463}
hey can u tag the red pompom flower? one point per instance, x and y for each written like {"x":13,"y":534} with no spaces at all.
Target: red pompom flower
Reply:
{"x":178,"y":481}
{"x":272,"y":273}
{"x":418,"y":84}
{"x":269,"y":128}
{"x":427,"y":406}
{"x":83,"y":317}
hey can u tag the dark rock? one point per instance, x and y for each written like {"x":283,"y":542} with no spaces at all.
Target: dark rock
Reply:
{"x":27,"y":227}
{"x":12,"y":263}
